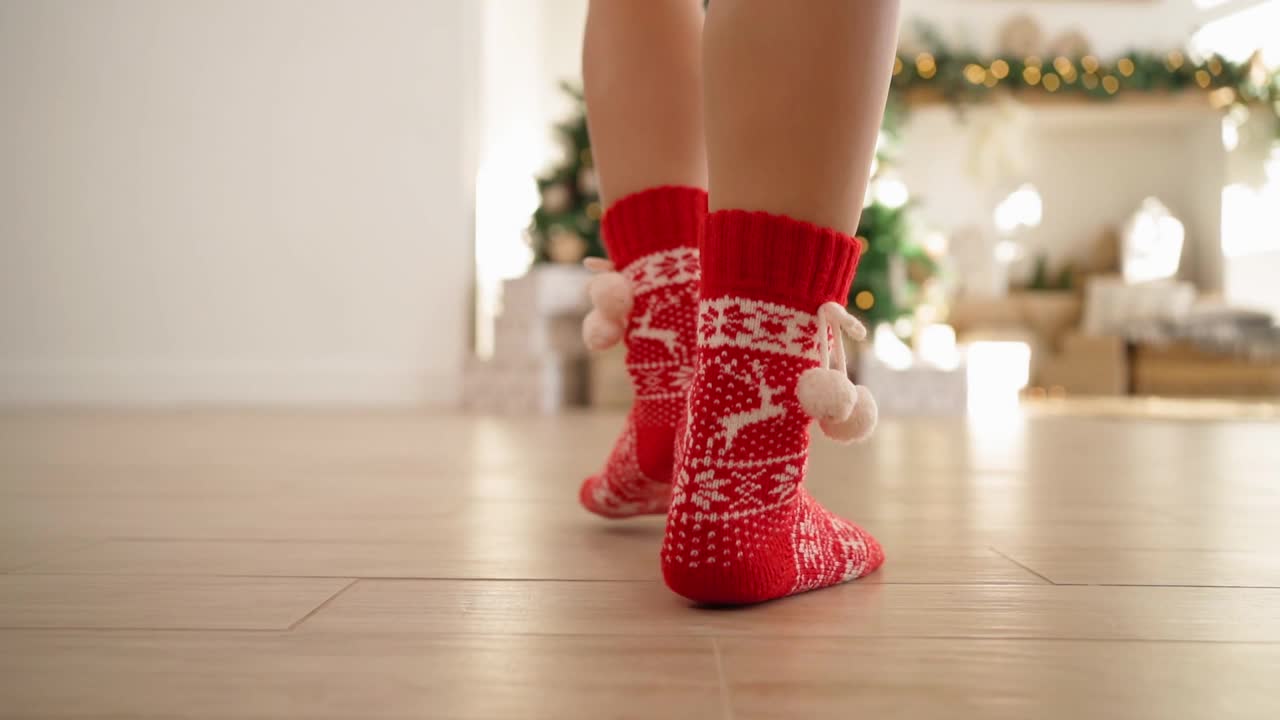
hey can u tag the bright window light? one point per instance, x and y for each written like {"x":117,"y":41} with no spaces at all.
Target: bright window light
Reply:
{"x":997,"y":371}
{"x":1239,"y":34}
{"x":1152,"y":243}
{"x":1023,"y":208}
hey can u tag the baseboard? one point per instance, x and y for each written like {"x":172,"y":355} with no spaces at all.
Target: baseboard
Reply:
{"x":219,"y":387}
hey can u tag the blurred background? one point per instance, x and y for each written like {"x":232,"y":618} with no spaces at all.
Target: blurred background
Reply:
{"x":340,"y":203}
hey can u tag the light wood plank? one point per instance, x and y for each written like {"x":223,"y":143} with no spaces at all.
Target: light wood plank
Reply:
{"x":500,"y":554}
{"x":394,"y":675}
{"x":87,"y":601}
{"x":817,"y":678}
{"x":852,"y":610}
{"x":614,"y":552}
{"x":949,"y":565}
{"x":19,"y":554}
{"x":1152,"y":567}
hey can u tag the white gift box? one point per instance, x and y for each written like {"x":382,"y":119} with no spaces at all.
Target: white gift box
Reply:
{"x":1114,"y":307}
{"x":920,"y":389}
{"x":546,"y":290}
{"x":539,"y":360}
{"x":518,"y":338}
{"x":519,"y":387}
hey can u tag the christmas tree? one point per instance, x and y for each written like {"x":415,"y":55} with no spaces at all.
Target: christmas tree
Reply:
{"x":566,"y":226}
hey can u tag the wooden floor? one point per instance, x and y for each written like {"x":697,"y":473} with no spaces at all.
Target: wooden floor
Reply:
{"x":403,"y":566}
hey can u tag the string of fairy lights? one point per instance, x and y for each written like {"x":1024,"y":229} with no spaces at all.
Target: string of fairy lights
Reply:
{"x":961,"y":76}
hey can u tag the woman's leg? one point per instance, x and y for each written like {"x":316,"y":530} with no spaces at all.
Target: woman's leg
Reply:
{"x":795,"y":92}
{"x":643,"y":83}
{"x":642,"y":76}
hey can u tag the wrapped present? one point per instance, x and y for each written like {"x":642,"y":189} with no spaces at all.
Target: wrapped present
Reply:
{"x":1114,"y":307}
{"x":539,"y":360}
{"x":545,"y":291}
{"x":559,"y":335}
{"x":919,"y":389}
{"x":609,"y":384}
{"x":1087,"y":365}
{"x":1185,"y":369}
{"x":545,"y":385}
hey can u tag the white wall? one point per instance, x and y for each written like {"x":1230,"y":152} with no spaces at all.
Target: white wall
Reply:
{"x":235,"y":201}
{"x":1112,"y":27}
{"x":1092,"y":165}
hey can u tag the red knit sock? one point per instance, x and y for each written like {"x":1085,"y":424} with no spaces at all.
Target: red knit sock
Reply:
{"x":652,"y":238}
{"x":742,"y":528}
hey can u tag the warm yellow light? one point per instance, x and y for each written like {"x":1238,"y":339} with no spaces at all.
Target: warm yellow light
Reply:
{"x":594,"y":211}
{"x":974,"y":73}
{"x":1110,"y":84}
{"x":1090,"y":81}
{"x":1031,"y":75}
{"x":1052,"y":82}
{"x":925,"y":61}
{"x":1089,"y":63}
{"x":1215,"y":66}
{"x":1062,"y":65}
{"x":927,"y":72}
{"x":897,"y":65}
{"x":1174,"y":61}
{"x":864,"y":300}
{"x":1032,"y":61}
{"x":1125,"y":66}
{"x":1203,"y":79}
{"x":991,"y":80}
{"x":1000,"y":69}
{"x":1222,"y":97}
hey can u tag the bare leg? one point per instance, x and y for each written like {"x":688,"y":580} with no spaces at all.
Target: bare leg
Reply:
{"x":643,"y":82}
{"x":641,"y":64}
{"x":795,"y":93}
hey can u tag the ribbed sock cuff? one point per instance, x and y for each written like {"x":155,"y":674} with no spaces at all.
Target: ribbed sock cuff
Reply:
{"x":653,"y":220}
{"x":775,"y":258}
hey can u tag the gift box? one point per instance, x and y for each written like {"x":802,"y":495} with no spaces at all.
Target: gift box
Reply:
{"x":1087,"y":365}
{"x":609,"y":384}
{"x":920,"y":389}
{"x":1184,"y":369}
{"x":522,"y":386}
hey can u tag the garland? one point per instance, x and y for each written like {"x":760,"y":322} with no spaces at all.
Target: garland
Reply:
{"x":964,"y":77}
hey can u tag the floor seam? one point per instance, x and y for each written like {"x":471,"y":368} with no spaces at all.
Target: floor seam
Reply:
{"x":726,"y":702}
{"x":322,"y":605}
{"x":1024,"y":567}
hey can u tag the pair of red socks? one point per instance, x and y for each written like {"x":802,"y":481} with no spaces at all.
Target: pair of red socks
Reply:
{"x":730,"y":322}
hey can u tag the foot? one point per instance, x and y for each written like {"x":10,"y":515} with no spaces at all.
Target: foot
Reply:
{"x":651,"y":306}
{"x":742,"y":528}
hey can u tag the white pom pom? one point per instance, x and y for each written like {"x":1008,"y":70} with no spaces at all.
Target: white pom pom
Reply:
{"x":858,"y":425}
{"x":825,"y":394}
{"x":600,"y":332}
{"x":611,"y":294}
